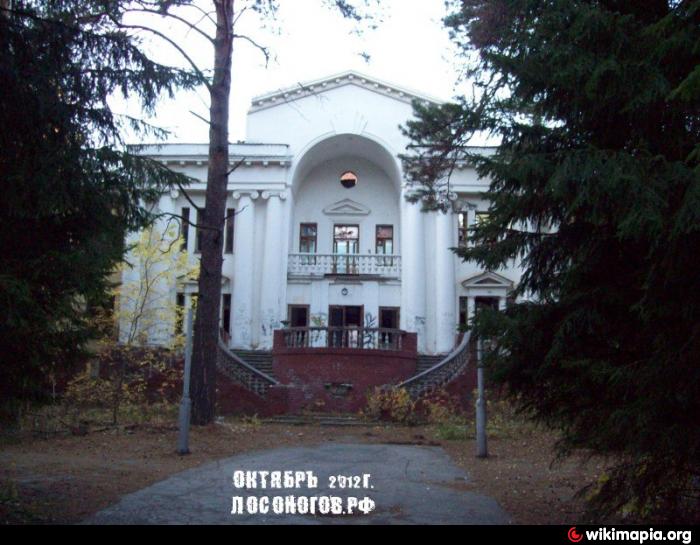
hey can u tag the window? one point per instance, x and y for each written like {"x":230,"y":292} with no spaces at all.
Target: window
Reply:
{"x":462,"y":229}
{"x":228,"y":235}
{"x":198,"y":237}
{"x":463,"y":312}
{"x":307,"y":238}
{"x":385,"y":239}
{"x":346,"y":243}
{"x":226,"y":315}
{"x":348,"y":179}
{"x":388,"y":321}
{"x":482,"y":218}
{"x":180,"y":313}
{"x":298,"y":315}
{"x":185,"y":227}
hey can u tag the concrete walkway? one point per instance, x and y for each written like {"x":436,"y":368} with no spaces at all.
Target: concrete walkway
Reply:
{"x":408,"y":485}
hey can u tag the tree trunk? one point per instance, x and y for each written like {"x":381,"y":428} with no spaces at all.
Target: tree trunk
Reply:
{"x":206,"y":327}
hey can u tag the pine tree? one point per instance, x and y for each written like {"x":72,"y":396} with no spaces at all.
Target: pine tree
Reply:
{"x":71,"y":189}
{"x":595,"y":191}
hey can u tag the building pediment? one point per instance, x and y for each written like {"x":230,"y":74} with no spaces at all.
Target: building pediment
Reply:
{"x":346,"y":207}
{"x":301,"y":90}
{"x":488,"y":279}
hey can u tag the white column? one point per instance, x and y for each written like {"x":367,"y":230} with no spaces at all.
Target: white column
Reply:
{"x":273,"y":276}
{"x":412,"y":271}
{"x":471,"y":308}
{"x":444,"y":285}
{"x":243,"y":256}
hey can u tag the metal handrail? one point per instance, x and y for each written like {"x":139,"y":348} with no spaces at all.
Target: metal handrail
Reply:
{"x":460,"y":352}
{"x":264,"y":376}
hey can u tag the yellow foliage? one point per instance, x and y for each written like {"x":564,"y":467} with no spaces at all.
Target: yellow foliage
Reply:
{"x":147,"y":299}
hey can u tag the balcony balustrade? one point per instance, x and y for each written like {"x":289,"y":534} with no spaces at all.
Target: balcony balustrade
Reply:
{"x":362,"y":338}
{"x":385,"y":266}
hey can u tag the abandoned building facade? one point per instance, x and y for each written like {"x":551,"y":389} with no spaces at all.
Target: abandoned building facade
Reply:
{"x":334,"y":282}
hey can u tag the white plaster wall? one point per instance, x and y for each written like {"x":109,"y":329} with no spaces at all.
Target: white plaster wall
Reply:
{"x":322,"y":188}
{"x":347,"y":109}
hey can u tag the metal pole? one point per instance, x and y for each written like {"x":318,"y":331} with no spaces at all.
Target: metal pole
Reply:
{"x":481,"y":446}
{"x":183,"y":443}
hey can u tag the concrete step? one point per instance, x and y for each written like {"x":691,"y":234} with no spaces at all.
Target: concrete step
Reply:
{"x":316,"y":420}
{"x":426,"y":361}
{"x":260,"y":359}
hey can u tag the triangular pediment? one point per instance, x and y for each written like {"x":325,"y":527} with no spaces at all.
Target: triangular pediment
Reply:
{"x":301,"y":90}
{"x":488,"y":279}
{"x":346,"y":207}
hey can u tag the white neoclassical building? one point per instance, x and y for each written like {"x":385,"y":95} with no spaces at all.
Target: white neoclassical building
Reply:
{"x":322,"y":233}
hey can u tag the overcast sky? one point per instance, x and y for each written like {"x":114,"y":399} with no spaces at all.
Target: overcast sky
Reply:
{"x":409,"y":48}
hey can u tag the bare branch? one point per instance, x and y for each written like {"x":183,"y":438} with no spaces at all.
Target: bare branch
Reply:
{"x":200,"y":117}
{"x":194,"y":66}
{"x":235,"y":166}
{"x":264,"y":50}
{"x":175,"y":17}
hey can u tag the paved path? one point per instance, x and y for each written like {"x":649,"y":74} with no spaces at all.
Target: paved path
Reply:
{"x":411,"y":485}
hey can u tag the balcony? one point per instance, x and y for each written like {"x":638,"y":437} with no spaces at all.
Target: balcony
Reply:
{"x":320,"y":265}
{"x":360,"y":338}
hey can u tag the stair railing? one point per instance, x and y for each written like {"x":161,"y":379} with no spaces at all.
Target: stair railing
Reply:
{"x":441,"y":373}
{"x":242,"y":372}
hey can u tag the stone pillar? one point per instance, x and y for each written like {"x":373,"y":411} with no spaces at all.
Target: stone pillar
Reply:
{"x":413,"y":271}
{"x":243,"y":279}
{"x":444,"y":285}
{"x":273,"y":280}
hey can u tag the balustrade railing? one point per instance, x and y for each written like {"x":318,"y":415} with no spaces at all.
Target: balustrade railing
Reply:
{"x":441,"y":373}
{"x":363,"y":338}
{"x":351,"y":264}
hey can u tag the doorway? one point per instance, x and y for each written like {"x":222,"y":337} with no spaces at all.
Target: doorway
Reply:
{"x":344,"y":325}
{"x":388,"y":320}
{"x":346,"y":245}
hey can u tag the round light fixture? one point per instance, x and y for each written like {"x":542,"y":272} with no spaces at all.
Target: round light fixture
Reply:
{"x":348,"y":179}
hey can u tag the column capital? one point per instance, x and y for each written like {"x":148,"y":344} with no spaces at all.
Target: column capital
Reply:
{"x":282,"y":195}
{"x":252,"y":194}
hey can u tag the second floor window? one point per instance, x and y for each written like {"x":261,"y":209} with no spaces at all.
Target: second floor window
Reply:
{"x":307,"y":238}
{"x":385,"y":240}
{"x":185,"y":227}
{"x":482,"y":218}
{"x":462,"y":229}
{"x":228,"y":238}
{"x":198,"y":237}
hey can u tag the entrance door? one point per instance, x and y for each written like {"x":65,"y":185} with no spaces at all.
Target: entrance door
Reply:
{"x":348,"y":321}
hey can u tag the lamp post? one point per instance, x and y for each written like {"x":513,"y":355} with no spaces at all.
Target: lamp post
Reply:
{"x":481,"y":445}
{"x":186,"y":403}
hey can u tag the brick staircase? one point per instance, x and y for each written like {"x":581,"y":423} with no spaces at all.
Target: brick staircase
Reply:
{"x":260,"y":359}
{"x":253,"y":369}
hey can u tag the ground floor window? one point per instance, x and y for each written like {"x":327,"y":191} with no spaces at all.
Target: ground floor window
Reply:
{"x":481,"y":303}
{"x":388,"y":320}
{"x":180,"y":313}
{"x":463,"y":313}
{"x":226,"y":314}
{"x":298,"y":315}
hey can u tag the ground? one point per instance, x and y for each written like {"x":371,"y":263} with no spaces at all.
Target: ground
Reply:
{"x":67,"y":478}
{"x":405,"y":484}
